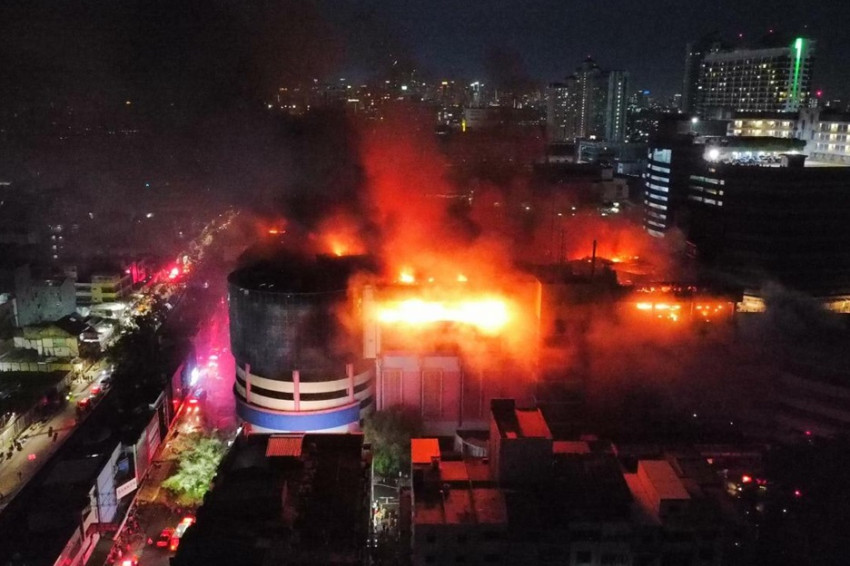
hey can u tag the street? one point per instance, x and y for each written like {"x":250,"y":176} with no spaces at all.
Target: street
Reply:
{"x":384,"y":539}
{"x":37,"y":443}
{"x":154,"y":509}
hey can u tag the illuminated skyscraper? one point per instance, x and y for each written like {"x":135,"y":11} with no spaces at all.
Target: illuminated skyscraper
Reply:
{"x":614,"y":118}
{"x":589,"y":104}
{"x":767,"y":79}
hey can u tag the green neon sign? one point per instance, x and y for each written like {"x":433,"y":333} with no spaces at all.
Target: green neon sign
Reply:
{"x":795,"y":84}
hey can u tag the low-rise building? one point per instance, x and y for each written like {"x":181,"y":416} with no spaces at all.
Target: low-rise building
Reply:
{"x":773,"y":124}
{"x":538,"y":500}
{"x":41,"y":299}
{"x":62,"y":338}
{"x":103,"y":288}
{"x":283,"y":499}
{"x":458,"y":515}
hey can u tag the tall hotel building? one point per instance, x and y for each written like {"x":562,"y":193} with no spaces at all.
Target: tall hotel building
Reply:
{"x":764,"y":79}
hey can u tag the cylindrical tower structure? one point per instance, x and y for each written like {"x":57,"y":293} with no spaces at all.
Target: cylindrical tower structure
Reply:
{"x":296,"y":370}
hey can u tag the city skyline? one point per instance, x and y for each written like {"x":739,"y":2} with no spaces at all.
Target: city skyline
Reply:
{"x":648,"y":39}
{"x":222,"y":52}
{"x":416,"y":283}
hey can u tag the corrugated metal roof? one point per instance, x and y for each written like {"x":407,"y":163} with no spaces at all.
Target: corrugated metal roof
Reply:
{"x":284,"y":446}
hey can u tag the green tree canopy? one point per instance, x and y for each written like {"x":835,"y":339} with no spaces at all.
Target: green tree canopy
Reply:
{"x":196,"y":469}
{"x":390,"y":432}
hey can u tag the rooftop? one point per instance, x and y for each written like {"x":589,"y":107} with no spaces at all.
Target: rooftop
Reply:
{"x":463,"y":505}
{"x":289,"y":446}
{"x":422,"y":450}
{"x":277,"y":271}
{"x":519,"y":423}
{"x":570,"y":447}
{"x":277,"y":503}
{"x":663,"y":479}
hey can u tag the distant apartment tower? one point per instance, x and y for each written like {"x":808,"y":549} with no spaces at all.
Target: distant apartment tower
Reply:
{"x":561,"y":112}
{"x":589,"y":104}
{"x":615,"y":106}
{"x":758,"y":79}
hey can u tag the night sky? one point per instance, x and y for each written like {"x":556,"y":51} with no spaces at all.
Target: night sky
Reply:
{"x":202,"y":52}
{"x":646,"y":37}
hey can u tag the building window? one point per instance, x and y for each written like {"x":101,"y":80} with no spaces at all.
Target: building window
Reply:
{"x":584,"y":557}
{"x":392,"y":386}
{"x":430,"y":538}
{"x":432,"y":393}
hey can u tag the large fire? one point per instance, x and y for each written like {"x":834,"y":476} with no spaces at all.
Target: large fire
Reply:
{"x":489,"y":315}
{"x":445,"y":300}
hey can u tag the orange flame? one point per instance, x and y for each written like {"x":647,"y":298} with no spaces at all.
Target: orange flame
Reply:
{"x":339,"y":236}
{"x":489,"y":315}
{"x":338,"y":247}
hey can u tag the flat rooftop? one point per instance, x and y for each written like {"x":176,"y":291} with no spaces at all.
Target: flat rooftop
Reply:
{"x":532,"y":424}
{"x":423,"y":450}
{"x":519,"y":423}
{"x":663,"y":479}
{"x":457,"y":506}
{"x":570,"y":447}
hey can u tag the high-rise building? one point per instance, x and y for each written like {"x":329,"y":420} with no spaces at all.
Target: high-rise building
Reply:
{"x":785,"y":223}
{"x":614,"y":118}
{"x":560,"y":112}
{"x":589,"y":104}
{"x":775,"y":78}
{"x":694,"y":55}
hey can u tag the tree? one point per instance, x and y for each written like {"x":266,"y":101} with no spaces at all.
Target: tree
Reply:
{"x":390,"y":432}
{"x":196,"y":469}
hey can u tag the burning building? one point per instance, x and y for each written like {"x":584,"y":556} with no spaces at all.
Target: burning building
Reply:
{"x":676,"y":302}
{"x":318,"y":348}
{"x":446,"y":349}
{"x":296,"y":368}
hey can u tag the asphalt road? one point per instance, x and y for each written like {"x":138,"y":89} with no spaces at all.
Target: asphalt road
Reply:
{"x":154,"y":510}
{"x":38,"y":445}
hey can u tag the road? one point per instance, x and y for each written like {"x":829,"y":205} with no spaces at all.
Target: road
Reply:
{"x":384,"y":542}
{"x":154,"y":509}
{"x":37,"y":443}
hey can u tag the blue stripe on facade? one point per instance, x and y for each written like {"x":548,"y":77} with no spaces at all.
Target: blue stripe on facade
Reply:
{"x":298,"y":422}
